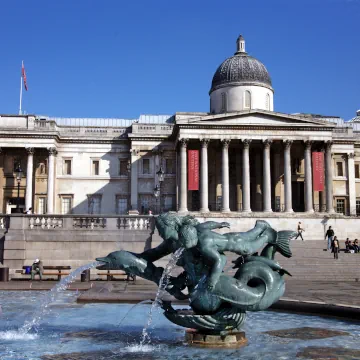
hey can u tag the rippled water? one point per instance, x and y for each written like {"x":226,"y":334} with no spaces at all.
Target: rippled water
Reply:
{"x":93,"y":329}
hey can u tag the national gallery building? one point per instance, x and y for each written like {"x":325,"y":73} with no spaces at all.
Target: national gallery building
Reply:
{"x":240,"y":157}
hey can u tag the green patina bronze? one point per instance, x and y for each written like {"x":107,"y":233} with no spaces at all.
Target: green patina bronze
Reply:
{"x":218,"y":301}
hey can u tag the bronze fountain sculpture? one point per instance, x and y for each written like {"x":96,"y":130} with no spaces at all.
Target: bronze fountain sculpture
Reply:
{"x":218,"y":300}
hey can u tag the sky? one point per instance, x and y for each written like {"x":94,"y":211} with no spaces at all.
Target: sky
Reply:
{"x":116,"y":58}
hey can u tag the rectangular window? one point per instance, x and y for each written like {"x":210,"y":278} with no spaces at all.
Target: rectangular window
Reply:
{"x":358,"y":207}
{"x":121,"y":205}
{"x":66,"y":205}
{"x":123,"y":171}
{"x":41,"y":205}
{"x":94,"y":204}
{"x":340,"y":206}
{"x":17,"y":165}
{"x":339,"y":169}
{"x":145,"y":202}
{"x":95,"y":167}
{"x":146,"y":166}
{"x":67,"y":167}
{"x":357,"y":171}
{"x":169,"y":166}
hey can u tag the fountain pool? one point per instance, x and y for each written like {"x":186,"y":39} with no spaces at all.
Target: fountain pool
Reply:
{"x":72,"y":331}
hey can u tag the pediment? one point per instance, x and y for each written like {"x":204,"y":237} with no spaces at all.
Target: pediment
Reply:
{"x":255,"y":118}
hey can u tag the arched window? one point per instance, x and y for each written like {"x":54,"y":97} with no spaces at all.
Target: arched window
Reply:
{"x":247,"y":100}
{"x":223,"y":102}
{"x":267,"y":102}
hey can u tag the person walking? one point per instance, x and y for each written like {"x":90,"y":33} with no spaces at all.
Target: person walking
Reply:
{"x":330,"y":235}
{"x":335,"y":247}
{"x":356,"y":246}
{"x":37,"y":268}
{"x":299,"y":231}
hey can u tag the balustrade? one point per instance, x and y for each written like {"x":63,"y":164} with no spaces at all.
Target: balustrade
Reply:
{"x":134,"y":223}
{"x":46,"y":222}
{"x":89,"y":222}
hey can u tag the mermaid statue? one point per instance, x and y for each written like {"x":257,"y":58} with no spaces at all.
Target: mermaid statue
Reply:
{"x":218,"y":300}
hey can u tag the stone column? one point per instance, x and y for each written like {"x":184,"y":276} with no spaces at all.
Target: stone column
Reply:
{"x":204,"y":177}
{"x":258,"y":181}
{"x":134,"y":153}
{"x":266,"y":176}
{"x":329,"y":178}
{"x":287,"y":176}
{"x":51,"y":180}
{"x":238,"y":182}
{"x":225,"y":175}
{"x":246,"y":176}
{"x":351,"y":183}
{"x":29,"y":179}
{"x":309,"y":207}
{"x":183,"y":172}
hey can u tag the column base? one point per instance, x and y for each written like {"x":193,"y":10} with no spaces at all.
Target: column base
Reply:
{"x":289,"y":211}
{"x":225,"y":210}
{"x":310,"y":211}
{"x":246,"y":211}
{"x":204,"y":210}
{"x":267,"y":211}
{"x":183,"y":211}
{"x":134,"y":212}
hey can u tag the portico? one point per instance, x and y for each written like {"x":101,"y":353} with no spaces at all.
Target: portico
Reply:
{"x":267,"y":173}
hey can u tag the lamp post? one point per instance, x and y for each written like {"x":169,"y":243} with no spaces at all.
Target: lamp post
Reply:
{"x":157,"y":190}
{"x":19,"y":173}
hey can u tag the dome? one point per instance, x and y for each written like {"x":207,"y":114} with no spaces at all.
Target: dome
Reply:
{"x":241,"y":69}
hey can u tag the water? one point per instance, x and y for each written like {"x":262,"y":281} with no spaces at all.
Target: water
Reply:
{"x":163,"y":283}
{"x":43,"y":305}
{"x":90,"y":329}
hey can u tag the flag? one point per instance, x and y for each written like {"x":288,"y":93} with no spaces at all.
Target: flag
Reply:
{"x":23,"y":74}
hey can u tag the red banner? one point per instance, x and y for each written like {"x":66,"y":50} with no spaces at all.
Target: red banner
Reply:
{"x":318,"y":171}
{"x":193,"y":169}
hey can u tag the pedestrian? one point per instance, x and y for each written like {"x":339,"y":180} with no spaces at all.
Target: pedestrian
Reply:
{"x":356,"y":245}
{"x":330,"y":235}
{"x":28,"y":212}
{"x":37,"y":268}
{"x":347,"y":245}
{"x":335,"y":247}
{"x":299,"y":231}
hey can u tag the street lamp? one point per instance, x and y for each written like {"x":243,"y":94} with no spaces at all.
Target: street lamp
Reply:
{"x":160,"y":175}
{"x":157,"y":193}
{"x":19,"y":174}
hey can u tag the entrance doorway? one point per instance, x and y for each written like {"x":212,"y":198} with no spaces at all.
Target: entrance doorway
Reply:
{"x":298,"y":201}
{"x":11,"y":205}
{"x":195,"y":200}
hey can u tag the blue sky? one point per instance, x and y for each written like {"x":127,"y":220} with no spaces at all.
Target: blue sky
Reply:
{"x":116,"y":58}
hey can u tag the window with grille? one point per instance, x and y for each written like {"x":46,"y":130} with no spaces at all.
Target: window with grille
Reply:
{"x":41,"y":205}
{"x":66,"y":204}
{"x":357,"y":207}
{"x":67,"y":167}
{"x":146,"y":166}
{"x":357,"y":171}
{"x":123,"y":171}
{"x":340,"y":206}
{"x":95,"y":167}
{"x":170,"y":166}
{"x":339,"y":169}
{"x":94,"y":204}
{"x":17,"y":164}
{"x":121,"y":205}
{"x":247,"y":104}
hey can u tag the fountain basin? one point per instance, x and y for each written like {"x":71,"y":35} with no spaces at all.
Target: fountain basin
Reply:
{"x":91,"y":332}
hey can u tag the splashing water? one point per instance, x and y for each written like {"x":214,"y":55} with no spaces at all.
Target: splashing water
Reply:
{"x":43,"y":307}
{"x":163,"y":283}
{"x":133,"y":307}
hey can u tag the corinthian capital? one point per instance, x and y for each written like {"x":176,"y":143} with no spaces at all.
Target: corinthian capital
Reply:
{"x":183,"y":142}
{"x":350,"y":155}
{"x":30,"y":150}
{"x":267,"y":143}
{"x":328,"y":145}
{"x":287,"y":144}
{"x":225,"y":143}
{"x":308,"y":144}
{"x":205,"y":143}
{"x":52,"y":151}
{"x":246,"y":143}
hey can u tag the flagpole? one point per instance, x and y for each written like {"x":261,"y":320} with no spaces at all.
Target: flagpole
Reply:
{"x":22,"y":64}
